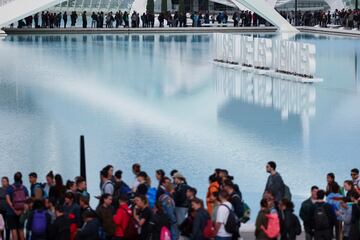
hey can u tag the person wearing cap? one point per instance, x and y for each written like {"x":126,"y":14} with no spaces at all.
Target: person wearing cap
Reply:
{"x":181,"y":203}
{"x":60,"y":229}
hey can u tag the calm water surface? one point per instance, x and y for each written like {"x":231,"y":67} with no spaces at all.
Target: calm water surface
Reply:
{"x":158,"y":100}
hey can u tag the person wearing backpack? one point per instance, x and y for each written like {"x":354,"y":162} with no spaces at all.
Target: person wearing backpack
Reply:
{"x":289,"y":223}
{"x":222,"y":216}
{"x":200,"y":220}
{"x":181,"y":203}
{"x":36,"y":189}
{"x":39,"y":221}
{"x":168,"y":206}
{"x":16,"y":196}
{"x":275,"y":184}
{"x":125,"y":227}
{"x":120,"y":188}
{"x":235,"y":199}
{"x":107,"y":186}
{"x":324,"y":218}
{"x":160,"y":223}
{"x":307,"y":212}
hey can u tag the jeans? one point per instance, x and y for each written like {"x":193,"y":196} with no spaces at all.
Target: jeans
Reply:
{"x":180,"y":213}
{"x":309,"y":236}
{"x":223,"y":238}
{"x":323,"y":235}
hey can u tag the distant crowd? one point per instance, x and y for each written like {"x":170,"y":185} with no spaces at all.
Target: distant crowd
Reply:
{"x":135,"y":20}
{"x":170,"y":209}
{"x":339,"y":18}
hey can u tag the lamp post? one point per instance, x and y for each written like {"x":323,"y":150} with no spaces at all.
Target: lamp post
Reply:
{"x":82,"y":157}
{"x":296,"y":15}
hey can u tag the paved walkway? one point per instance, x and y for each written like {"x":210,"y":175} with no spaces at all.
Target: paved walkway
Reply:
{"x":331,"y":31}
{"x":250,"y":236}
{"x":139,"y":30}
{"x":76,"y":30}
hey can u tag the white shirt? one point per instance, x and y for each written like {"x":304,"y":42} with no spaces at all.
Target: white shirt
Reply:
{"x":222,"y":215}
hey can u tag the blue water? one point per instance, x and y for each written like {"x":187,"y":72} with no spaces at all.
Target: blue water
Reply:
{"x":158,"y":100}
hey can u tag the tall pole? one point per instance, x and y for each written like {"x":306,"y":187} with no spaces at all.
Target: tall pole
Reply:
{"x":82,"y":157}
{"x":296,"y":15}
{"x":357,"y":4}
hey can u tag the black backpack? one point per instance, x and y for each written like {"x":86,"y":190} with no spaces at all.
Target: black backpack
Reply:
{"x":321,"y":219}
{"x":296,"y":224}
{"x":232,"y":222}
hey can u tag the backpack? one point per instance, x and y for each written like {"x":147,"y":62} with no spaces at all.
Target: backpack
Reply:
{"x":18,"y":197}
{"x":287,"y":193}
{"x":272,"y":229}
{"x":131,"y":231}
{"x":297,"y":225}
{"x":231,"y":225}
{"x":246,"y":215}
{"x":209,"y":230}
{"x":165,"y":234}
{"x":39,"y":222}
{"x":321,"y":218}
{"x":151,"y":194}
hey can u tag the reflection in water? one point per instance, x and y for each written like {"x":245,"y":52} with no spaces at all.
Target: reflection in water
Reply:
{"x":286,"y":97}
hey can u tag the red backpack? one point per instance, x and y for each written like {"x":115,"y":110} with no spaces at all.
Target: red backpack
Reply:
{"x":272,"y":229}
{"x":209,"y":230}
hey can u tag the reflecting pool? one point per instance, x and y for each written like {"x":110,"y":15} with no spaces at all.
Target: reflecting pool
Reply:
{"x":158,"y":100}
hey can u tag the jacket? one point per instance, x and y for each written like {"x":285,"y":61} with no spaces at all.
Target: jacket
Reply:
{"x":276,"y":186}
{"x":213,"y":187}
{"x":289,"y":225}
{"x":89,"y":231}
{"x":200,"y":220}
{"x":261,"y":220}
{"x":60,"y":229}
{"x":307,"y":215}
{"x":180,"y":195}
{"x":106,"y":217}
{"x":121,"y":220}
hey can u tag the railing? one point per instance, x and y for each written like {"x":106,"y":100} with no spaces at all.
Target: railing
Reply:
{"x":3,"y":2}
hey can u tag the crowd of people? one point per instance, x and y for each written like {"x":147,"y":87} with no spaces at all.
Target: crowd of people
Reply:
{"x":172,"y":210}
{"x":338,"y":18}
{"x":135,"y":20}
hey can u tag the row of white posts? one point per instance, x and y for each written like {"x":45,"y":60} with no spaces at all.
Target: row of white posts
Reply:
{"x":283,"y":56}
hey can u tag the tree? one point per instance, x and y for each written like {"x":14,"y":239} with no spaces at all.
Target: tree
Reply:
{"x":164,"y":6}
{"x":150,"y":6}
{"x":182,"y":7}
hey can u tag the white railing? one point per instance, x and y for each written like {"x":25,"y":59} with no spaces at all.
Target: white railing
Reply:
{"x":3,"y":2}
